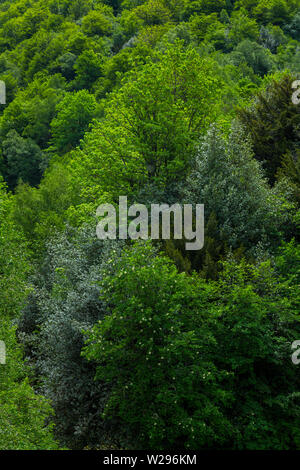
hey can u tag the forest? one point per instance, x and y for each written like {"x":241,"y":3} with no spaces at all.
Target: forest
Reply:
{"x":141,"y":344}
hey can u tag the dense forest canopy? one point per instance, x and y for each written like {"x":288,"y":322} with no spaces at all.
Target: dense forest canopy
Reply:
{"x":144,"y":345}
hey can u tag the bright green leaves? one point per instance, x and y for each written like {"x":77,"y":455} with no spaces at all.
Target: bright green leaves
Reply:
{"x":14,"y":260}
{"x":23,"y":413}
{"x":151,"y":126}
{"x":195,"y":364}
{"x":151,"y":351}
{"x":74,"y":114}
{"x":165,"y":107}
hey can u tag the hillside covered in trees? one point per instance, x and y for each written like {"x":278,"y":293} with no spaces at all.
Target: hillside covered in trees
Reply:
{"x":121,"y":344}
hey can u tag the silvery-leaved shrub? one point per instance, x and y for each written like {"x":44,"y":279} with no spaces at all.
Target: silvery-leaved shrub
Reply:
{"x":230,"y":183}
{"x":66,"y":301}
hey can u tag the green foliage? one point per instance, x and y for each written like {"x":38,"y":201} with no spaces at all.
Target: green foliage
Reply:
{"x":256,"y":325}
{"x":173,"y":106}
{"x":23,"y":158}
{"x":14,"y":259}
{"x":96,"y":23}
{"x":140,"y":98}
{"x":33,"y":109}
{"x":274,"y":11}
{"x":212,"y":362}
{"x":74,"y":114}
{"x":153,"y":12}
{"x":172,"y":397}
{"x":23,"y":413}
{"x":254,"y":55}
{"x":242,"y":27}
{"x":151,"y":126}
{"x":88,"y":68}
{"x":204,"y":6}
{"x":229,"y":182}
{"x":290,"y":169}
{"x":64,"y":301}
{"x":273,"y":122}
{"x":41,"y":212}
